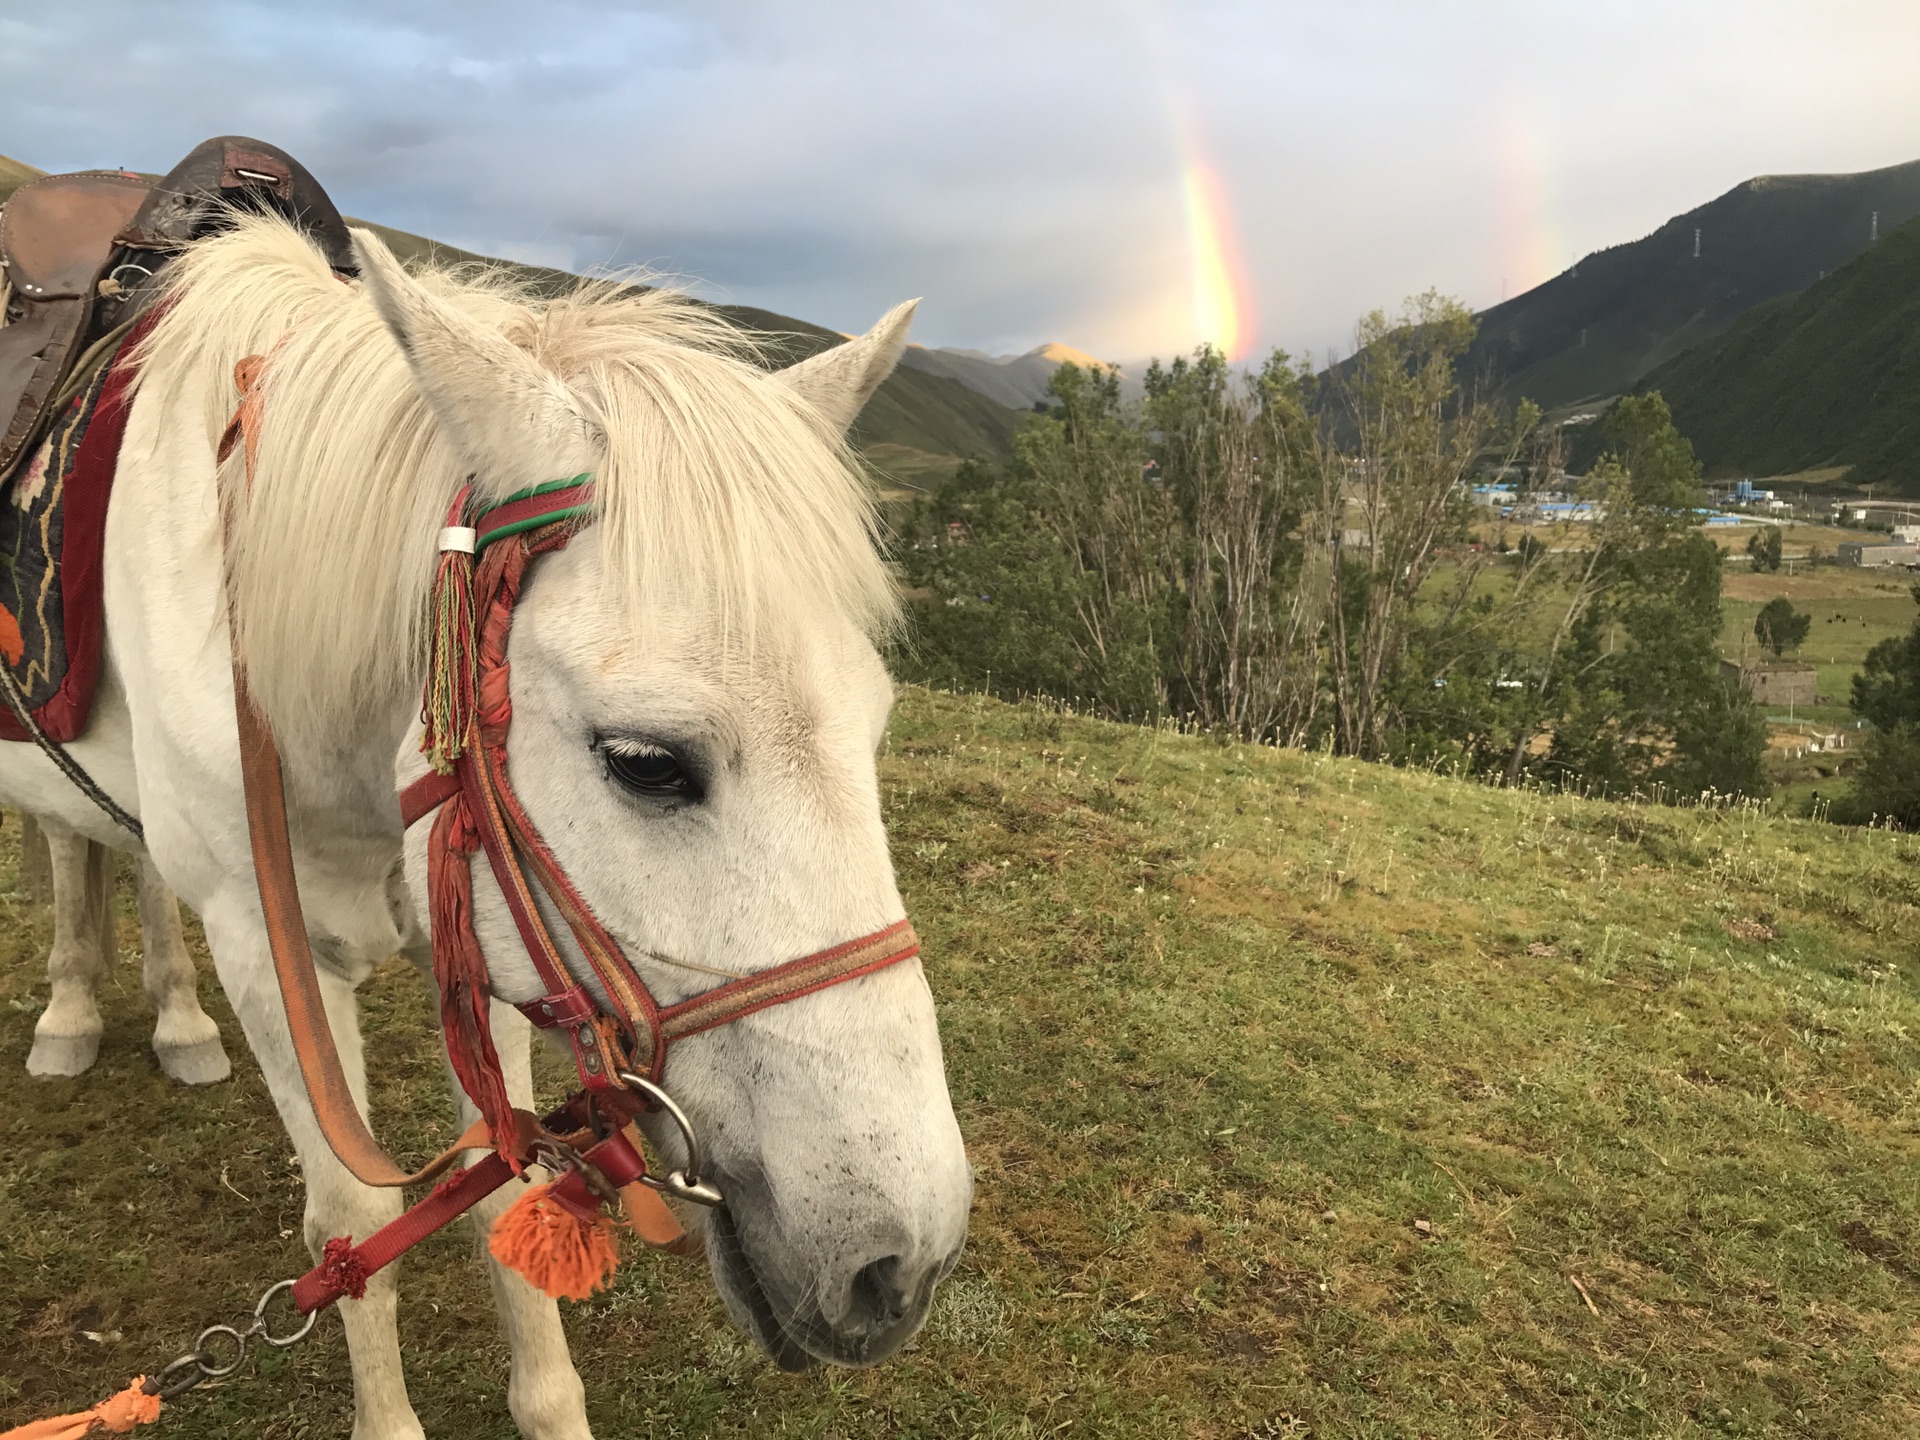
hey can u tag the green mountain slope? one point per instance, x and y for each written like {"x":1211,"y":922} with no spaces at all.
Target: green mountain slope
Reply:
{"x":14,"y":174}
{"x":1601,"y":325}
{"x":934,"y":414}
{"x":1830,"y":376}
{"x":1305,"y":1097}
{"x":914,"y":411}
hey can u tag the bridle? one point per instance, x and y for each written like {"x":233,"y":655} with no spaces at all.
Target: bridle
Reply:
{"x":486,"y":553}
{"x":620,"y":1048}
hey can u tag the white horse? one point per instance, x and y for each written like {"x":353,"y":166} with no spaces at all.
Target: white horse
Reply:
{"x":66,"y":1038}
{"x":696,"y":695}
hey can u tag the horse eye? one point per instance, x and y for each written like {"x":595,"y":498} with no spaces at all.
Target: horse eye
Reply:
{"x":650,"y":770}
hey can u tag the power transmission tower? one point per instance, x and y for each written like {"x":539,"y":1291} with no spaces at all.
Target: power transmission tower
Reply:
{"x":1696,"y":242}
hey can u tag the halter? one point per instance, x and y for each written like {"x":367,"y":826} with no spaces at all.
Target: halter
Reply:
{"x":467,"y":711}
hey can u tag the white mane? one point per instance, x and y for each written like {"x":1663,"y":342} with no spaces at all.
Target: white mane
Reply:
{"x":715,"y":478}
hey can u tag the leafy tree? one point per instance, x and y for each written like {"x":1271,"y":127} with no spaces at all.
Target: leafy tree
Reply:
{"x":1639,"y":432}
{"x":1886,"y":786}
{"x":1239,"y":461}
{"x":1406,"y":438}
{"x":1886,"y":692}
{"x":1014,"y":607}
{"x":1285,"y":556}
{"x":1628,"y":685}
{"x":1764,"y":546}
{"x":1625,"y":687}
{"x":1780,"y":627}
{"x":1646,"y":704}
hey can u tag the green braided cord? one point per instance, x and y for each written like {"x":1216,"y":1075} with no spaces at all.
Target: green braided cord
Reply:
{"x":532,"y":522}
{"x":546,"y":487}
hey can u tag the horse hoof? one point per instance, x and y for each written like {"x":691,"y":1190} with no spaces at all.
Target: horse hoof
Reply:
{"x":60,"y":1056}
{"x":202,"y":1063}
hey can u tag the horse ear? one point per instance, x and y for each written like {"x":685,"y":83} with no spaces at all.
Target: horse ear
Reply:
{"x":839,"y":382}
{"x":507,"y":414}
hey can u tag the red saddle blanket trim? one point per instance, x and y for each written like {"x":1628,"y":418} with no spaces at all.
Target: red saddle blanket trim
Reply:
{"x":83,"y":537}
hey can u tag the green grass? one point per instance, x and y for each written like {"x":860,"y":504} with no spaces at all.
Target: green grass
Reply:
{"x":1196,"y":997}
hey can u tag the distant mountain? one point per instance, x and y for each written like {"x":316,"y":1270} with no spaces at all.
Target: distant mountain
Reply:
{"x":1598,"y":327}
{"x":917,"y":423}
{"x":1019,"y":381}
{"x":1830,"y":376}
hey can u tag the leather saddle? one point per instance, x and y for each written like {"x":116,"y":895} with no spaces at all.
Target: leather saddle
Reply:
{"x":81,"y":253}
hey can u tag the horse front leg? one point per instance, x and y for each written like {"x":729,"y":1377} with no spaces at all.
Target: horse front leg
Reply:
{"x":337,"y":1204}
{"x":66,"y":1038}
{"x":186,"y":1042}
{"x":544,"y":1393}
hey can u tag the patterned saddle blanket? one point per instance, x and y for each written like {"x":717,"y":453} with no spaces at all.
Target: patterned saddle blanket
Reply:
{"x":53,"y":522}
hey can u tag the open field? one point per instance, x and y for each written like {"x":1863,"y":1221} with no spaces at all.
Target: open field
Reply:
{"x":1852,"y":609}
{"x":1796,"y":538}
{"x":1647,"y":1076}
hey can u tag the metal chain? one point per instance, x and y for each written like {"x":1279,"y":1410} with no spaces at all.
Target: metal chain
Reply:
{"x":203,"y":1362}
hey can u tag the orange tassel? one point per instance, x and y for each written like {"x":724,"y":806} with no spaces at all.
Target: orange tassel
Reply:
{"x":132,"y":1406}
{"x":553,"y":1249}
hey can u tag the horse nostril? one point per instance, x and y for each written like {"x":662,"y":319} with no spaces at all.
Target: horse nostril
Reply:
{"x":878,"y":1299}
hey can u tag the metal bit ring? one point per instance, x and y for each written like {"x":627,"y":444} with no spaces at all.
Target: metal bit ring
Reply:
{"x":203,"y":1352}
{"x":280,"y":1342}
{"x":682,"y":1184}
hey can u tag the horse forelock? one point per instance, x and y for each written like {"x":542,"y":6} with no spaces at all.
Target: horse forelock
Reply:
{"x":715,"y":482}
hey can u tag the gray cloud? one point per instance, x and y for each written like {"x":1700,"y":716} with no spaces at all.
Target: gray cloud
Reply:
{"x":1018,"y":164}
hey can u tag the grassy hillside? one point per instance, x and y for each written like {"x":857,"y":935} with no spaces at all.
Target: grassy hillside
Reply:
{"x":1599,"y":326}
{"x":1306,"y":1097}
{"x":926,"y":415}
{"x":14,"y":174}
{"x":1830,"y":376}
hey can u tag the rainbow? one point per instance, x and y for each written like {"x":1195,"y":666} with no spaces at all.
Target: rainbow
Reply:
{"x":1222,"y":312}
{"x":1220,"y":304}
{"x":1534,"y":241}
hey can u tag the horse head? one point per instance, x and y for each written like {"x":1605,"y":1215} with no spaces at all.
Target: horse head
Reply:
{"x":697,"y":700}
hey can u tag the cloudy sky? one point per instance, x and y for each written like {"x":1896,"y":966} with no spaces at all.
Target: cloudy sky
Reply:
{"x":1124,"y":176}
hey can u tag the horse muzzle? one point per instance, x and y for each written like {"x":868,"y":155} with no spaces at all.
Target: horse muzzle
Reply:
{"x":850,"y":1311}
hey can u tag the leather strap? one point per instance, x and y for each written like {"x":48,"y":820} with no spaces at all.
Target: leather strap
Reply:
{"x":313,"y":1045}
{"x":327,"y":1089}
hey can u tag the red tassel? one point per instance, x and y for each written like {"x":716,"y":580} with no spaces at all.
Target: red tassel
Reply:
{"x":461,"y":971}
{"x":346,"y":1273}
{"x":554,"y":1250}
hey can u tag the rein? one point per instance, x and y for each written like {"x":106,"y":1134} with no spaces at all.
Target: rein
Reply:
{"x":619,"y":1050}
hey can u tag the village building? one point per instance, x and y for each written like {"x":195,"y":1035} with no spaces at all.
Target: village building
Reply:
{"x":1860,"y":552}
{"x":1777,"y":684}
